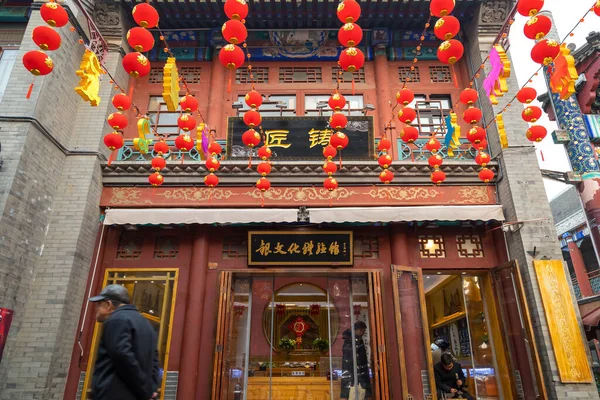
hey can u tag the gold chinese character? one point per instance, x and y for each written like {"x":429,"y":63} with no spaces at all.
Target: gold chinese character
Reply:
{"x":321,"y":248}
{"x":279,"y":249}
{"x":265,"y":248}
{"x":317,"y":137}
{"x":89,"y":71}
{"x":308,"y":248}
{"x":275,"y":138}
{"x":171,"y":84}
{"x":334,"y":248}
{"x":294,"y":248}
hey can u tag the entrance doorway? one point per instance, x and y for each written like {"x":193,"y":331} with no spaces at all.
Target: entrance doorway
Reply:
{"x":300,"y":336}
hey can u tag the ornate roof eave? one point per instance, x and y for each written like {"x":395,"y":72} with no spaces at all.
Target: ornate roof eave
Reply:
{"x":591,"y":47}
{"x":292,"y":173}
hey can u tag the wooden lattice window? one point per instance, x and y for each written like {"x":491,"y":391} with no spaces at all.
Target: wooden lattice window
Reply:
{"x":261,"y":75}
{"x":130,"y":245}
{"x":440,"y":74}
{"x":166,"y":247}
{"x":432,"y":246}
{"x":300,"y":75}
{"x":155,"y":75}
{"x":235,"y":246}
{"x":469,"y":246}
{"x":346,"y":77}
{"x":191,"y":74}
{"x":405,"y":72}
{"x":366,"y":246}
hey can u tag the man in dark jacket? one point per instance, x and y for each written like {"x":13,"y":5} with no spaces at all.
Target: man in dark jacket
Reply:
{"x":355,"y":387}
{"x":450,"y":379}
{"x":127,"y":361}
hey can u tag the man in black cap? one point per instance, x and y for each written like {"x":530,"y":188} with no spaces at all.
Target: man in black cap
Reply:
{"x":127,"y":361}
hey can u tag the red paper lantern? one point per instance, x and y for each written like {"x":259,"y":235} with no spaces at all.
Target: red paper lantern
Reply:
{"x":54,"y":14}
{"x":211,"y":180}
{"x":253,"y":99}
{"x":350,"y":35}
{"x":46,"y":38}
{"x":407,"y":115}
{"x":537,"y":27}
{"x":352,"y":59}
{"x":145,"y":15}
{"x":234,"y":31}
{"x":440,"y":8}
{"x":435,"y":161}
{"x":339,"y":140}
{"x":186,"y":122}
{"x":212,"y":164}
{"x":263,"y":184}
{"x":529,"y":8}
{"x":526,"y":95}
{"x":264,"y":153}
{"x":329,"y":151}
{"x":472,"y":115}
{"x":486,"y":175}
{"x":121,"y":101}
{"x":251,"y":138}
{"x":433,"y":145}
{"x":446,"y":27}
{"x":405,"y":96}
{"x":482,"y":158}
{"x":252,"y":118}
{"x":37,"y":62}
{"x":386,"y":176}
{"x":158,"y":163}
{"x":264,"y":168}
{"x":438,"y":176}
{"x":156,"y":179}
{"x":117,"y":120}
{"x":532,"y":114}
{"x":384,"y":144}
{"x":338,"y":121}
{"x":348,"y":11}
{"x":140,"y":39}
{"x":215,"y":148}
{"x":236,"y":9}
{"x":469,"y":96}
{"x":450,"y":51}
{"x":385,"y":160}
{"x":184,"y":143}
{"x":329,"y":168}
{"x":188,"y":103}
{"x":536,"y":133}
{"x":476,"y":134}
{"x":136,"y":65}
{"x":337,"y":102}
{"x":114,"y":141}
{"x":409,"y":134}
{"x":330,"y":184}
{"x":232,"y":56}
{"x":545,"y":51}
{"x":597,"y":8}
{"x":161,"y":147}
{"x":481,"y":145}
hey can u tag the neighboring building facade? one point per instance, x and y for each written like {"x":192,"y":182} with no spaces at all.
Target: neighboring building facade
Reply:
{"x":255,"y":295}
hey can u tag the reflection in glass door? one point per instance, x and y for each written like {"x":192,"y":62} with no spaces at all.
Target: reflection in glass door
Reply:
{"x":298,"y":337}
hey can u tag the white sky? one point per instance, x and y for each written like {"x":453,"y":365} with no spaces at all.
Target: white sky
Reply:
{"x":566,"y":14}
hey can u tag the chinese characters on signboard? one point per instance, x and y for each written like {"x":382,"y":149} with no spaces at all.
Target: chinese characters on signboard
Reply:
{"x":300,"y":248}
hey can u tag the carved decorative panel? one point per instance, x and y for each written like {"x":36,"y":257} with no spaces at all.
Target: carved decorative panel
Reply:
{"x":130,"y":245}
{"x":155,"y":75}
{"x":300,"y":75}
{"x":191,"y":74}
{"x":469,"y":246}
{"x":404,"y":72}
{"x":166,"y":247}
{"x":366,"y":246}
{"x":346,"y":77}
{"x":261,"y":75}
{"x":440,"y":74}
{"x":235,"y":246}
{"x":432,"y":246}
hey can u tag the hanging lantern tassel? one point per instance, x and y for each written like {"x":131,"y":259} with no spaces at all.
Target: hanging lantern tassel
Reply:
{"x":229,"y":81}
{"x":353,"y":84}
{"x":454,"y":78}
{"x":330,"y":198}
{"x":340,"y":159}
{"x":250,"y":159}
{"x":30,"y":90}
{"x":262,"y":199}
{"x":542,"y":155}
{"x":110,"y":158}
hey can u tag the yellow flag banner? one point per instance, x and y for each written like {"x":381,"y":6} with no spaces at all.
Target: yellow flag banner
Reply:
{"x":567,"y":340}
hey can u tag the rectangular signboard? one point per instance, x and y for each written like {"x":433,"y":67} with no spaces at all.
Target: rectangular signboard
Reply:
{"x":302,"y":138}
{"x":300,"y":248}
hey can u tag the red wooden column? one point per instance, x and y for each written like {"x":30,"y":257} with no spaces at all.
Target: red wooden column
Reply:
{"x":193,"y":314}
{"x":382,"y":82}
{"x":216,"y":97}
{"x":579,"y":266}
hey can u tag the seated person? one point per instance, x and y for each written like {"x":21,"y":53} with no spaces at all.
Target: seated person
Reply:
{"x":449,"y":378}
